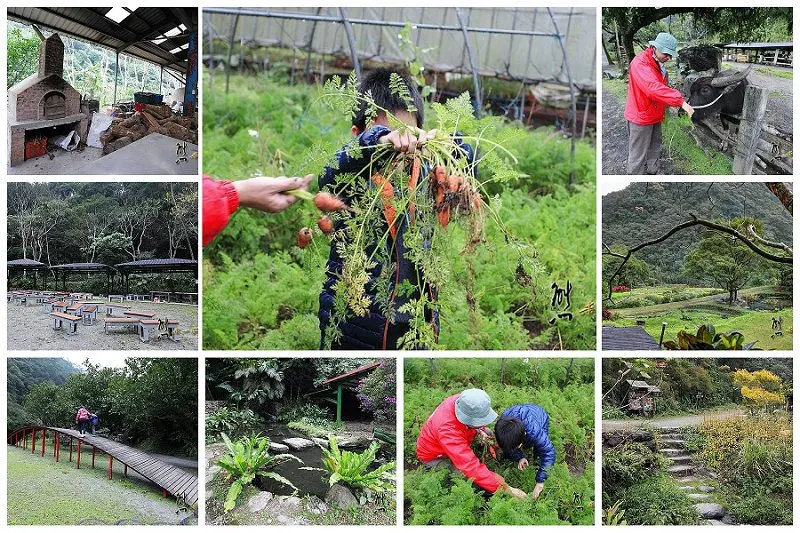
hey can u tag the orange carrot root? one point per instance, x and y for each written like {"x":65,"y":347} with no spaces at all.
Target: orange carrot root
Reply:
{"x":304,"y":237}
{"x":328,"y":202}
{"x":325,"y":224}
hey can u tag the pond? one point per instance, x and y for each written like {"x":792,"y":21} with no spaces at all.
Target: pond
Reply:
{"x":307,"y":481}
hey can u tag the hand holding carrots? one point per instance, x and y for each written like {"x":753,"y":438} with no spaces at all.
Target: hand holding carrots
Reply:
{"x":270,"y":194}
{"x":407,"y":141}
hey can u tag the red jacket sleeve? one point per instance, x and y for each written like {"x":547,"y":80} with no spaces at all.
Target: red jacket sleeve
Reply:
{"x":459,"y":452}
{"x":655,"y":88}
{"x":220,"y":200}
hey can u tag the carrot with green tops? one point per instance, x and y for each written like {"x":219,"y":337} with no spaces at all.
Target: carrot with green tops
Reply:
{"x":386,"y":191}
{"x":413,"y":180}
{"x":325,"y":224}
{"x":304,"y":237}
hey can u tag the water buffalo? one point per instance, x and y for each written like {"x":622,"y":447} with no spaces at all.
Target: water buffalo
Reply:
{"x":720,"y":93}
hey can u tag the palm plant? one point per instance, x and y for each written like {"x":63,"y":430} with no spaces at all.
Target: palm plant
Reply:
{"x":351,"y":468}
{"x":246,"y":458}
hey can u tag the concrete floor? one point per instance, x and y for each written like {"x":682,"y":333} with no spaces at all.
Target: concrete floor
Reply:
{"x":63,"y":162}
{"x":151,"y":155}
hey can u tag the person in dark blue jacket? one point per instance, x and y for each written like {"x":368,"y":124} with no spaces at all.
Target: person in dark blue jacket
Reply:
{"x":526,"y":426}
{"x":374,"y":331}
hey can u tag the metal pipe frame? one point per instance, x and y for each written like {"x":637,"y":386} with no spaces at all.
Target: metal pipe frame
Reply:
{"x":371,"y":22}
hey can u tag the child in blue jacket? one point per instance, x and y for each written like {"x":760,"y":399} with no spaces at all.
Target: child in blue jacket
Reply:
{"x":526,"y":426}
{"x":375,"y":331}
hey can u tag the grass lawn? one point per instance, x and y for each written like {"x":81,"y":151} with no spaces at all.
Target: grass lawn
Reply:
{"x":656,"y":295}
{"x":43,"y":492}
{"x":754,"y":325}
{"x":775,"y":72}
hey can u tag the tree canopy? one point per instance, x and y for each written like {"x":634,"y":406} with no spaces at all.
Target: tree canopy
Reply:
{"x":110,"y":223}
{"x":639,"y":25}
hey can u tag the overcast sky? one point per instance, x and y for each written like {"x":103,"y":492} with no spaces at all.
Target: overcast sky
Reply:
{"x":613,"y":183}
{"x":99,"y":358}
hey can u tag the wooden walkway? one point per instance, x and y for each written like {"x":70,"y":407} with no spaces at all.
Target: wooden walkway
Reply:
{"x":171,"y":479}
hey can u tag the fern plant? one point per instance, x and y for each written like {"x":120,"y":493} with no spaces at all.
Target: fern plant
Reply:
{"x":352,"y":468}
{"x":245,"y":459}
{"x":423,"y":196}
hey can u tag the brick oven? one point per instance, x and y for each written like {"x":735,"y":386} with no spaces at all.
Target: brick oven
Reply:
{"x":43,"y":104}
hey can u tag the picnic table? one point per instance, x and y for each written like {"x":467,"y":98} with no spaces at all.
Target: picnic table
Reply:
{"x":71,"y":320}
{"x":110,"y":308}
{"x":137,"y":314}
{"x":119,"y":297}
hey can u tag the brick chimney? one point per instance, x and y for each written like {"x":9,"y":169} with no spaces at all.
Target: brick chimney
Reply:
{"x":51,"y":57}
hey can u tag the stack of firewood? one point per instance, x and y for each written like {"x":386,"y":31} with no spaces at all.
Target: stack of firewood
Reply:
{"x":153,"y":119}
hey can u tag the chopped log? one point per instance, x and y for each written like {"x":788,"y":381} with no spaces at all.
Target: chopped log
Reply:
{"x":116,"y":145}
{"x":152,"y":123}
{"x":158,"y":111}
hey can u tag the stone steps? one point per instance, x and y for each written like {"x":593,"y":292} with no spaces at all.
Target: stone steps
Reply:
{"x":672,"y":442}
{"x":699,"y":495}
{"x":681,"y":459}
{"x":680,"y":470}
{"x":672,"y":452}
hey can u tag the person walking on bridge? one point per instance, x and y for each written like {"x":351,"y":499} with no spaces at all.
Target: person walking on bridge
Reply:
{"x":82,"y":419}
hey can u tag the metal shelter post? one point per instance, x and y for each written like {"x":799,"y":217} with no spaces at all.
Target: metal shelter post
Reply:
{"x":476,"y":81}
{"x":351,"y":41}
{"x":230,"y":51}
{"x":116,"y":78}
{"x":573,"y":98}
{"x":339,"y":403}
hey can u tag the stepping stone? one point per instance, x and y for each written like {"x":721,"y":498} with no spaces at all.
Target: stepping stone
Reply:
{"x":671,"y":452}
{"x":671,"y":442}
{"x":687,"y":480}
{"x":278,"y":447}
{"x":696,"y":496}
{"x":681,"y":459}
{"x":706,"y":488}
{"x":716,"y":523}
{"x":680,"y":470}
{"x":297,"y":443}
{"x":710,"y":510}
{"x":676,"y":436}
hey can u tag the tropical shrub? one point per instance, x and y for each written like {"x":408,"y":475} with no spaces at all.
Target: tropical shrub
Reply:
{"x":628,"y":464}
{"x":352,"y":468}
{"x":658,"y":501}
{"x":707,"y":338}
{"x":305,"y":411}
{"x":244,"y":460}
{"x":231,"y":422}
{"x":377,"y":393}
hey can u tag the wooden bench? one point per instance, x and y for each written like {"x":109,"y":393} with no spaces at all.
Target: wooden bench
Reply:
{"x":120,"y":322}
{"x":89,"y":314}
{"x":74,"y":309}
{"x":147,"y":327}
{"x":119,"y":297}
{"x":137,"y":314}
{"x":60,"y":318}
{"x":110,"y":308}
{"x":60,"y":306}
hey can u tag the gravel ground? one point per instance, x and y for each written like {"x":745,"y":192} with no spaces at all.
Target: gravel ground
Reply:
{"x":676,"y":421}
{"x":779,"y":105}
{"x":31,"y":328}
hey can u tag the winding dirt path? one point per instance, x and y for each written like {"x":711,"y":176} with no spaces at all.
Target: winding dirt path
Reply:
{"x":671,"y":422}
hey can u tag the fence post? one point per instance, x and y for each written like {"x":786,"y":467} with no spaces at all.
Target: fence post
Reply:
{"x":43,"y":442}
{"x":755,"y":106}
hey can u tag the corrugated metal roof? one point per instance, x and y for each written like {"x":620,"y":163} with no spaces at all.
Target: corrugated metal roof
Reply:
{"x":157,"y":262}
{"x":133,"y":33}
{"x":627,"y":338}
{"x":81,"y":266}
{"x":25,"y":263}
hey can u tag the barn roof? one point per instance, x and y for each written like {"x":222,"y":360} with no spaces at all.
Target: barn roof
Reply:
{"x":158,"y":35}
{"x":770,"y":46}
{"x":353,"y":373}
{"x":627,"y":338}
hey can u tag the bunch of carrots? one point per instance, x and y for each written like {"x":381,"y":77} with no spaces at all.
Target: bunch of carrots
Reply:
{"x":449,"y":192}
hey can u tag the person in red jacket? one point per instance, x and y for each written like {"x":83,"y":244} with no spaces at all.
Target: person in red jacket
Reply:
{"x":222,"y":197}
{"x":648,"y":97}
{"x":446,"y":437}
